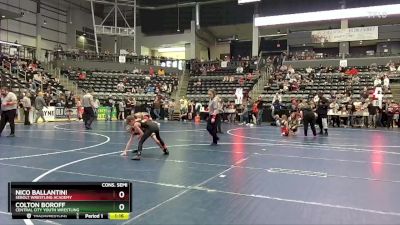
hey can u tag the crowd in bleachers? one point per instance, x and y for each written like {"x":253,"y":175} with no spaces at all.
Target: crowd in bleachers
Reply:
{"x":29,"y":77}
{"x":128,"y":91}
{"x":34,"y":87}
{"x":358,"y":96}
{"x":311,"y":55}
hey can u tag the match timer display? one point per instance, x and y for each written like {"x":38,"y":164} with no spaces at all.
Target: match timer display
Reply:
{"x":77,"y":200}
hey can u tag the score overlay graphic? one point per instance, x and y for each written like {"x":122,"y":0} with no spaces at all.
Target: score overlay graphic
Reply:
{"x":70,"y":200}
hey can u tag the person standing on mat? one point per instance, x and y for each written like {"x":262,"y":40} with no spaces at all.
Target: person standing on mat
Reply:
{"x":9,"y":106}
{"x":40,"y":103}
{"x":322,"y":111}
{"x":213,"y":117}
{"x":308,"y":118}
{"x":145,"y":128}
{"x":88,"y":111}
{"x":26,"y":103}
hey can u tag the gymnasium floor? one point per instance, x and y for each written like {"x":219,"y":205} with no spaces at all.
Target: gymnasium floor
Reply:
{"x":254,"y":176}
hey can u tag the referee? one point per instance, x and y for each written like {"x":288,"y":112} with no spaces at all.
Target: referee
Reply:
{"x":88,"y":111}
{"x":8,"y":110}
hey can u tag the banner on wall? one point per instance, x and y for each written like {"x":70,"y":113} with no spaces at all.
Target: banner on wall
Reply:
{"x":341,"y":35}
{"x":61,"y":113}
{"x":224,"y":64}
{"x":49,"y":113}
{"x":102,"y":112}
{"x":122,"y":59}
{"x":343,"y":63}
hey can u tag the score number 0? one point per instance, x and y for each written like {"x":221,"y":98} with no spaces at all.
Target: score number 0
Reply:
{"x":121,"y":194}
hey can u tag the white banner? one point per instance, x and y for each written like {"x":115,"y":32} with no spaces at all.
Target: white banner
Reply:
{"x":340,"y":35}
{"x":49,"y":113}
{"x":343,"y":63}
{"x":122,"y":59}
{"x":224,"y":64}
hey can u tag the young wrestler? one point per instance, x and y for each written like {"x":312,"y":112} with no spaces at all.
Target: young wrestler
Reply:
{"x":293,"y":123}
{"x":284,"y":126}
{"x":130,"y":120}
{"x":145,"y":127}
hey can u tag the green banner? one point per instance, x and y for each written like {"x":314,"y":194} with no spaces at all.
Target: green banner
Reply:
{"x":102,"y":112}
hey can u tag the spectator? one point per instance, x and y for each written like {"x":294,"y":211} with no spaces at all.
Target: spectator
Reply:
{"x":69,"y":104}
{"x":171,"y":109}
{"x":191,"y":110}
{"x":386,"y":83}
{"x":364,"y":94}
{"x":198,"y":83}
{"x":161,"y":72}
{"x":151,"y":71}
{"x":26,"y":104}
{"x":183,"y":107}
{"x":121,"y":87}
{"x":239,"y":69}
{"x":110,"y":107}
{"x":203,"y":70}
{"x":32,"y":86}
{"x":392,"y":67}
{"x":377,"y":82}
{"x":231,"y":113}
{"x":352,"y":72}
{"x":157,"y":106}
{"x":39,"y":105}
{"x":333,"y":111}
{"x":121,"y":109}
{"x":9,"y":105}
{"x":278,"y":96}
{"x":82,"y":76}
{"x":290,"y":69}
{"x":197,"y":108}
{"x":309,"y":69}
{"x":372,"y":114}
{"x":96,"y":105}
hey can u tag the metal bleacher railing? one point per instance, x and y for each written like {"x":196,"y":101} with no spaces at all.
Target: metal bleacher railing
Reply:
{"x":63,"y":79}
{"x":133,"y":59}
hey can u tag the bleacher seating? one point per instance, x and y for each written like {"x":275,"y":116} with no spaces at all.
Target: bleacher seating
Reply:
{"x":327,"y":83}
{"x":21,"y":75}
{"x":12,"y":82}
{"x":215,"y":79}
{"x":105,"y":84}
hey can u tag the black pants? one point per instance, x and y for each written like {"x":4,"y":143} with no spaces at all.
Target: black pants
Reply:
{"x":153,"y":128}
{"x":212,"y":128}
{"x":389,"y":122}
{"x":88,"y":116}
{"x":335,"y":120}
{"x":8,"y":116}
{"x":319,"y":121}
{"x":219,"y":122}
{"x":26,"y":115}
{"x":309,"y":119}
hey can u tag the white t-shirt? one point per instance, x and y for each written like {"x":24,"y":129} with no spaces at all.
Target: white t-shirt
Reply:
{"x":377,"y":82}
{"x":10,"y":97}
{"x":386,"y":82}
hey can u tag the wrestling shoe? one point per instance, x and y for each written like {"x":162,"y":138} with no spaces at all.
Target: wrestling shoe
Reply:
{"x":166,"y":152}
{"x":137,"y":157}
